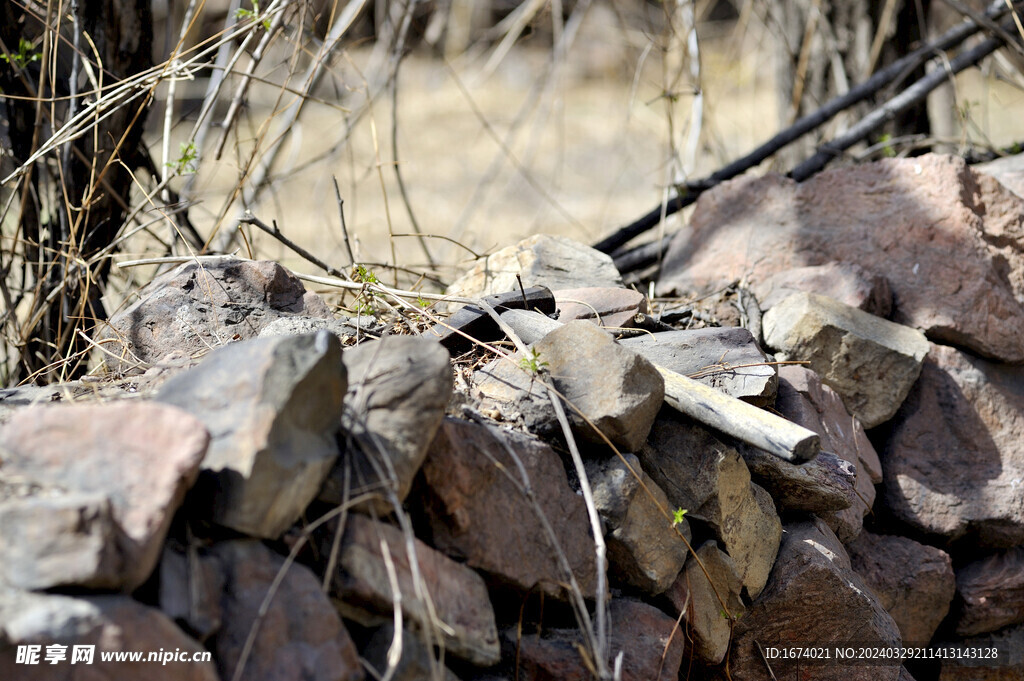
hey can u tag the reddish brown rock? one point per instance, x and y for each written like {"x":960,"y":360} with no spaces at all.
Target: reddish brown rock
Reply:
{"x":195,"y":307}
{"x":615,"y":389}
{"x":299,"y":636}
{"x":693,"y":595}
{"x":460,"y":608}
{"x":651,"y":643}
{"x":955,"y":459}
{"x":98,"y":625}
{"x":473,"y":487}
{"x":913,"y":582}
{"x":947,"y":239}
{"x":813,"y":598}
{"x":1009,"y":170}
{"x":608,"y":307}
{"x":805,"y":400}
{"x":848,"y":283}
{"x":129,"y":464}
{"x":992,"y":593}
{"x":190,"y":591}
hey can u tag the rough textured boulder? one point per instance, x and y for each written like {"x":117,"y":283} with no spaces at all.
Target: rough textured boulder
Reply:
{"x":198,"y":306}
{"x":869,"y":361}
{"x":710,"y":480}
{"x":950,"y":239}
{"x":651,"y":644}
{"x":57,"y":625}
{"x":812,"y":596}
{"x":848,"y":283}
{"x":608,"y":307}
{"x":94,"y":503}
{"x":693,"y":595}
{"x":513,"y":394}
{"x":614,"y":388}
{"x":273,"y":407}
{"x":398,"y":388}
{"x":727,"y":358}
{"x":955,"y":458}
{"x":991,"y":592}
{"x":473,"y":486}
{"x":644,"y":550}
{"x":541,"y":260}
{"x":460,"y":610}
{"x":299,"y":635}
{"x":913,"y":582}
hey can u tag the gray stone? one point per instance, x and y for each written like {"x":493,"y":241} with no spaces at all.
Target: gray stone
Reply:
{"x":93,"y":490}
{"x":615,"y":389}
{"x":398,"y":388}
{"x":870,"y":362}
{"x":644,"y":549}
{"x":613,"y":308}
{"x":273,"y":407}
{"x":812,"y":596}
{"x":991,"y":591}
{"x":472,"y":486}
{"x":701,"y":603}
{"x":460,"y":608}
{"x":727,"y":358}
{"x":710,"y":480}
{"x":198,"y":306}
{"x":105,"y":624}
{"x":298,"y":326}
{"x":651,"y":644}
{"x":822,"y":485}
{"x":955,"y":457}
{"x":541,"y":260}
{"x":913,"y":582}
{"x":298,"y":634}
{"x":947,"y":239}
{"x":848,"y":283}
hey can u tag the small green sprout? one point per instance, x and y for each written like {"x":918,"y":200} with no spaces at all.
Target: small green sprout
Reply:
{"x":422,"y":302}
{"x":532,"y":362}
{"x":26,"y":54}
{"x":253,"y":13}
{"x":677,"y":516}
{"x":186,"y":163}
{"x":364,"y":275}
{"x":887,"y":149}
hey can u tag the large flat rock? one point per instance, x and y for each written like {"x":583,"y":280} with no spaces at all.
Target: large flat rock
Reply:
{"x":947,"y":239}
{"x":726,"y":358}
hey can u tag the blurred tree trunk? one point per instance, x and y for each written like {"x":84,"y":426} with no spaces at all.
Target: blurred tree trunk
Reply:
{"x":825,"y":46}
{"x":75,"y":199}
